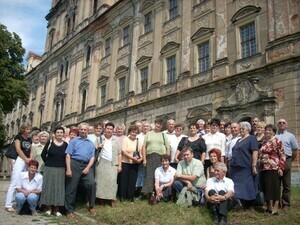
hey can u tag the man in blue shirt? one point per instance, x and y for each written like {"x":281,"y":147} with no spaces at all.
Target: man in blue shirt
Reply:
{"x":80,"y":157}
{"x":290,"y":146}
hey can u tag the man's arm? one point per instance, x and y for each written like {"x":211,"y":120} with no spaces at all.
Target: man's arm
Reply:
{"x":68,"y":166}
{"x":88,"y":167}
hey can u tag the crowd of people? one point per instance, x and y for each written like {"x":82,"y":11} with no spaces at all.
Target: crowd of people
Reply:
{"x":222,"y":165}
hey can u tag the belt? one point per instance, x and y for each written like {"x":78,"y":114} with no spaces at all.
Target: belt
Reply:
{"x":287,"y":156}
{"x":80,"y":161}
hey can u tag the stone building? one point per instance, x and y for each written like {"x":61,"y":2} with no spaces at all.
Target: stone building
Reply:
{"x":131,"y":60}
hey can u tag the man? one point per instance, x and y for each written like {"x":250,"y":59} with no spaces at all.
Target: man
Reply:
{"x":80,"y":156}
{"x":201,"y":130}
{"x":170,"y":128}
{"x":254,"y":124}
{"x":214,"y":139}
{"x":139,"y":124}
{"x":290,"y":146}
{"x":217,"y":192}
{"x":190,"y":173}
{"x":235,"y":131}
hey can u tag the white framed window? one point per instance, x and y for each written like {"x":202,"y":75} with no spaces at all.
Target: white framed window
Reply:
{"x":144,"y":79}
{"x":126,"y":35}
{"x":248,"y":40}
{"x":122,"y":87}
{"x":203,"y":57}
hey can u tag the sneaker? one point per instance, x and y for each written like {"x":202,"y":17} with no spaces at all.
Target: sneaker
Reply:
{"x":48,"y":212}
{"x":58,"y":214}
{"x":34,"y":213}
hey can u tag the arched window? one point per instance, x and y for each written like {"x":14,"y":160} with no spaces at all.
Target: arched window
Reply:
{"x":83,"y":101}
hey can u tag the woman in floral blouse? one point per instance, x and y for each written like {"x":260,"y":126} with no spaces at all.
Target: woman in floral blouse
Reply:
{"x":272,"y":162}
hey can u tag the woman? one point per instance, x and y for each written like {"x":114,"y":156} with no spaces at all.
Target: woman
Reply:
{"x":243,"y":166}
{"x":53,"y":155}
{"x":194,"y":141}
{"x":227,"y":129}
{"x":155,"y":145}
{"x":214,"y":157}
{"x":120,"y":128}
{"x":131,"y":158}
{"x":260,"y":135}
{"x":164,"y":177}
{"x":29,"y":187}
{"x":22,"y":143}
{"x":174,"y":141}
{"x":38,"y":148}
{"x":108,"y":166}
{"x":73,"y":133}
{"x":271,"y":165}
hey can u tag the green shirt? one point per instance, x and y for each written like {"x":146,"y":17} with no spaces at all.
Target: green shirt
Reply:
{"x":155,"y":142}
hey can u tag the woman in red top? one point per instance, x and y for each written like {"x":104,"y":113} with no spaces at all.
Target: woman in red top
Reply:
{"x":272,"y":162}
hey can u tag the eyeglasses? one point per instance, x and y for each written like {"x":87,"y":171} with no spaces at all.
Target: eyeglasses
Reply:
{"x":281,"y":122}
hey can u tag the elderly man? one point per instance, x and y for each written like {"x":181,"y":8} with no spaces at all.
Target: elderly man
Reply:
{"x":290,"y":146}
{"x":80,"y":156}
{"x":170,"y":131}
{"x":217,"y":192}
{"x":189,"y":173}
{"x":201,"y":130}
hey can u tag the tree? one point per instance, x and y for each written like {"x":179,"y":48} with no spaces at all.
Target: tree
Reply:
{"x":13,"y":87}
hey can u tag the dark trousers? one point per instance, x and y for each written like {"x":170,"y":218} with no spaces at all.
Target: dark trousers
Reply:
{"x":207,"y":163}
{"x":88,"y":181}
{"x":222,"y":207}
{"x":128,"y":180}
{"x":286,"y":183}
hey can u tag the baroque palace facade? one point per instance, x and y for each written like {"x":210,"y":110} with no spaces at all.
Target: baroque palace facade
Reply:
{"x":131,"y":60}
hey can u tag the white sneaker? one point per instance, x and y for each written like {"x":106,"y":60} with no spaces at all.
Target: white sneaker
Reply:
{"x":48,"y":213}
{"x":58,"y":214}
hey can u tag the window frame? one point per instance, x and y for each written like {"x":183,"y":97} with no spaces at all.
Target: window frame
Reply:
{"x":171,"y":73}
{"x":122,"y":89}
{"x":248,"y":42}
{"x":205,"y":59}
{"x":144,"y":78}
{"x":107,"y":47}
{"x":173,"y":9}
{"x":103,"y":91}
{"x":148,"y":22}
{"x":125,"y":35}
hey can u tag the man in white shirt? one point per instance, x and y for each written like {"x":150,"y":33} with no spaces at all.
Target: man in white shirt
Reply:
{"x":217,"y":192}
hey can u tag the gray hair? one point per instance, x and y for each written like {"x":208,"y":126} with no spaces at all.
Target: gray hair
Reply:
{"x":245,"y":124}
{"x":121,"y":125}
{"x":221,"y":166}
{"x":83,"y":124}
{"x":44,"y":133}
{"x":200,"y":121}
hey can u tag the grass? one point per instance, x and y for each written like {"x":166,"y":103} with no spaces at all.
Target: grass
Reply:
{"x":140,"y":212}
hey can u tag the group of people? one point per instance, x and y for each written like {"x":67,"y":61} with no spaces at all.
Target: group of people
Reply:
{"x":216,"y":162}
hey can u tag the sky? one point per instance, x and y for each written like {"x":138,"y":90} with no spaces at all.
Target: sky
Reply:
{"x":27,"y":19}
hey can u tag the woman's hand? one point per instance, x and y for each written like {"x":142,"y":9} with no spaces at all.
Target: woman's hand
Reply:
{"x":254,"y":171}
{"x":145,"y":162}
{"x":280,"y":172}
{"x":119,"y":169}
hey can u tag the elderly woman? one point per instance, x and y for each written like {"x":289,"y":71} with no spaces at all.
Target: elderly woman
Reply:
{"x":260,"y":133}
{"x":38,"y":148}
{"x":271,"y":165}
{"x":214,"y":157}
{"x":243,"y":166}
{"x":131,"y":158}
{"x":108,"y":166}
{"x":164,"y":177}
{"x":174,"y":141}
{"x":120,"y":128}
{"x":29,"y":187}
{"x":53,"y":155}
{"x":155,"y":145}
{"x":194,"y":141}
{"x":22,"y":144}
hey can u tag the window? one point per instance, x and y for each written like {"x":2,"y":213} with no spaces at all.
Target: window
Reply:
{"x":121,"y":87}
{"x":61,"y":73}
{"x":248,"y":40}
{"x":148,"y":22}
{"x":67,"y":68}
{"x":62,"y":109}
{"x":74,"y":20}
{"x":107,"y":46}
{"x":203,"y":57}
{"x":83,"y":101}
{"x":125,"y":35}
{"x":171,"y":69}
{"x":173,"y":8}
{"x":69,"y":26}
{"x":88,"y":56}
{"x":103,"y":95}
{"x":56,"y":111}
{"x":144,"y":79}
{"x":95,"y":6}
{"x":51,"y":39}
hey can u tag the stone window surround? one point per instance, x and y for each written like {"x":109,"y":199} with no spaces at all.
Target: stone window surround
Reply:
{"x":142,"y":63}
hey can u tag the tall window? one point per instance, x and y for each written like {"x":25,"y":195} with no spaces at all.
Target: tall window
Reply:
{"x":248,"y":40}
{"x":107,"y":46}
{"x":51,"y":39}
{"x":121,"y":87}
{"x":62,"y":106}
{"x":61,"y":73}
{"x":125,"y":35}
{"x":148,"y":22}
{"x":103,"y":95}
{"x":68,"y":26}
{"x":74,"y":20}
{"x":88,"y":55}
{"x":171,"y":69}
{"x":95,"y":6}
{"x":56,"y":111}
{"x":203,"y":57}
{"x":144,"y":79}
{"x":83,"y":101}
{"x":67,"y":68}
{"x":173,"y":9}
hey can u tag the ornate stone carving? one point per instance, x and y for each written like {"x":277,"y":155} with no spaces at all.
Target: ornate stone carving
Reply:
{"x":243,"y":3}
{"x":170,"y":37}
{"x":145,"y":51}
{"x":123,"y":61}
{"x":144,"y":39}
{"x":170,"y":25}
{"x":202,"y":22}
{"x":200,"y":9}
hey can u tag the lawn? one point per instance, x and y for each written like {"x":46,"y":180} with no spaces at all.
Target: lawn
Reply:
{"x":140,"y":212}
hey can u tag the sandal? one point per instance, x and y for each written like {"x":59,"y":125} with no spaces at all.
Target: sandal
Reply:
{"x":11,"y":210}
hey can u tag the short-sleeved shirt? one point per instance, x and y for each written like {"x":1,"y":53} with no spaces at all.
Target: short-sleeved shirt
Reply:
{"x":164,"y":176}
{"x":156,"y":142}
{"x":198,"y":146}
{"x":242,"y":152}
{"x":24,"y":183}
{"x":226,"y":184}
{"x":130,"y":146}
{"x":81,"y":149}
{"x":194,"y":167}
{"x":289,"y":142}
{"x":25,"y":144}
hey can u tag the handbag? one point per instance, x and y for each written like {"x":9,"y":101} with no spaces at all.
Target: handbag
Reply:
{"x":11,"y":152}
{"x":136,"y":153}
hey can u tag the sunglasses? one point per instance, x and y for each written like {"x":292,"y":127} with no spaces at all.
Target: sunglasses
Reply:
{"x":281,"y":122}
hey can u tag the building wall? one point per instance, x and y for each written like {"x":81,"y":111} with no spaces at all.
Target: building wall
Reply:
{"x":233,"y":87}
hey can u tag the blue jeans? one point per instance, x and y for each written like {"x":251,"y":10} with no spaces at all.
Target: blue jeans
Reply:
{"x":179,"y":185}
{"x":32,"y":200}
